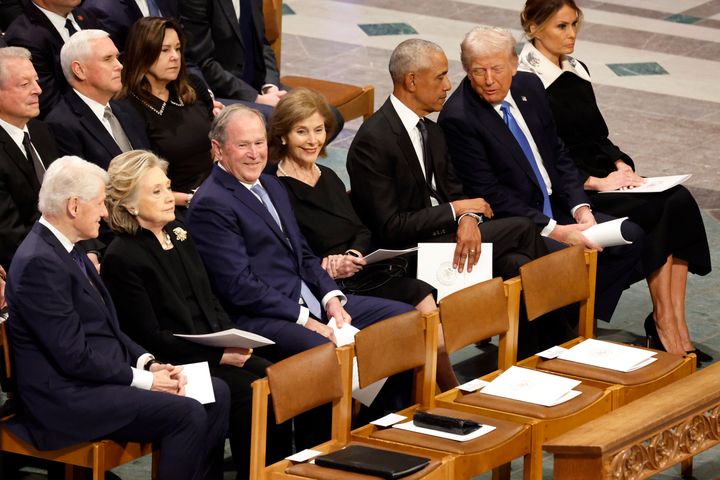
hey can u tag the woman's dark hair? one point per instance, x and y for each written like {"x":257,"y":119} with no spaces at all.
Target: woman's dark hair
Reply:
{"x":142,"y":49}
{"x":539,"y":12}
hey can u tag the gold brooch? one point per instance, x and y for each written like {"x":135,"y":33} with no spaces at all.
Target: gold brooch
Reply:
{"x":180,"y":233}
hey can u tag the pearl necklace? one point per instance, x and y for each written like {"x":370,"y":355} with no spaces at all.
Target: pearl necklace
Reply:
{"x":179,"y":103}
{"x":316,"y":170}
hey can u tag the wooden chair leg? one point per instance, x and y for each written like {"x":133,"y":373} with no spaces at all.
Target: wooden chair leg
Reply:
{"x":526,"y":467}
{"x":502,"y":472}
{"x":536,"y":460}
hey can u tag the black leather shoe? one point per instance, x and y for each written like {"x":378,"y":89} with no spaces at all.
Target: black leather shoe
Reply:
{"x":652,"y":339}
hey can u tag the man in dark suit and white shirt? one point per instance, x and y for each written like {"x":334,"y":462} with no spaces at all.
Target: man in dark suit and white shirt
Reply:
{"x":79,"y":377}
{"x":43,"y":28}
{"x":403,"y":187}
{"x":27,"y":148}
{"x":504,"y":145}
{"x":86,"y":122}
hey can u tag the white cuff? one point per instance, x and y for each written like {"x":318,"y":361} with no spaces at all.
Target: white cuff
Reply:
{"x":142,"y":360}
{"x":142,"y":379}
{"x":303,"y":316}
{"x":545,"y":232}
{"x":452,"y":209}
{"x":576,"y":207}
{"x":331,"y":294}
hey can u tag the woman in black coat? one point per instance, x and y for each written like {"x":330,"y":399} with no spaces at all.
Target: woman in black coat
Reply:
{"x":676,"y":242}
{"x":160,"y":287}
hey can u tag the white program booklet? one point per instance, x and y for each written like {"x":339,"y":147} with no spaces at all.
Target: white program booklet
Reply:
{"x":532,"y":386}
{"x":655,"y":184}
{"x":383,"y":254}
{"x":435,"y":267}
{"x":199,"y":385}
{"x":622,"y":358}
{"x":229,"y":338}
{"x":607,"y":234}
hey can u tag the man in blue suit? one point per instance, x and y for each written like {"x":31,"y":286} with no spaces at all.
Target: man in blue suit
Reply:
{"x":260,"y":265}
{"x":86,"y":122}
{"x":43,"y":28}
{"x":504,"y":146}
{"x":79,"y":378}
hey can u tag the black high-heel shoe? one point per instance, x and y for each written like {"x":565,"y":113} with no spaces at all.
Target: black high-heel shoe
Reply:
{"x":702,"y":357}
{"x":652,"y":339}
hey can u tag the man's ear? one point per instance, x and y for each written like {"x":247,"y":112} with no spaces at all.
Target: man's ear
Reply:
{"x":72,"y":206}
{"x":216,"y":152}
{"x":409,"y":81}
{"x":78,"y":70}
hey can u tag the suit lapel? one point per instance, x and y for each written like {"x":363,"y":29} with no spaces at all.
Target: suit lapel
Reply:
{"x":234,"y":19}
{"x":18,"y":158}
{"x":93,"y":125}
{"x":38,"y":17}
{"x":406,"y":147}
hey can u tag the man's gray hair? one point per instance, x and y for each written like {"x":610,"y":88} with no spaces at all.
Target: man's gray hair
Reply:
{"x":218,"y":130}
{"x":9,"y":53}
{"x":411,"y":56}
{"x":78,"y":47}
{"x":69,"y":177}
{"x":485,"y":41}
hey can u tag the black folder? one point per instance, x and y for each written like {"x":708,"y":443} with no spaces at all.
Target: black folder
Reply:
{"x":373,"y":461}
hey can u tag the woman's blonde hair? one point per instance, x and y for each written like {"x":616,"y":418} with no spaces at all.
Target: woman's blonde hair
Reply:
{"x":125,"y":172}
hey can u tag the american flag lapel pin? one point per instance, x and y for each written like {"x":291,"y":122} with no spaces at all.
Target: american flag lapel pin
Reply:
{"x":523,"y":98}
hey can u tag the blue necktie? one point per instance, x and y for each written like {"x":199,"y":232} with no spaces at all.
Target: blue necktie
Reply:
{"x":310,"y":300}
{"x":525,"y":146}
{"x":77,"y":258}
{"x":153,"y":9}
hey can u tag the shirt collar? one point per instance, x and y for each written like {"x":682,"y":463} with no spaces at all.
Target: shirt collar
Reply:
{"x":509,"y":99}
{"x":244,"y":184}
{"x":97,"y":108}
{"x":58,"y":21}
{"x":408,"y":118}
{"x":67,"y":244}
{"x":17,"y":134}
{"x":531,"y":60}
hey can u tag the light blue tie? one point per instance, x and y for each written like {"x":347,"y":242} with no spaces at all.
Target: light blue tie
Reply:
{"x":153,"y":9}
{"x":525,"y":146}
{"x":310,"y":300}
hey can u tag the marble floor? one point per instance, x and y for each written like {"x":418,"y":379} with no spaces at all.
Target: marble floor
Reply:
{"x":655,"y":65}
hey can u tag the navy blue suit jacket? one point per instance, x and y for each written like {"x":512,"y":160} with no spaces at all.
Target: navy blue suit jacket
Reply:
{"x":490,"y":162}
{"x":79,"y":132}
{"x":255,"y":268}
{"x":33,"y":30}
{"x":72,"y":360}
{"x":118,"y":16}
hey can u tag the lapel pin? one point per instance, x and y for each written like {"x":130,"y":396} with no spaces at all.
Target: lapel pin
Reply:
{"x":523,"y":98}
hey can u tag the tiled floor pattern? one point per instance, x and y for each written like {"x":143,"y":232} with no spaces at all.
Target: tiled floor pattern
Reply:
{"x":655,"y":65}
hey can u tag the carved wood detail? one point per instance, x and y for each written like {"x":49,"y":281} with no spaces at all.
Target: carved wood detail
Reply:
{"x":667,"y":448}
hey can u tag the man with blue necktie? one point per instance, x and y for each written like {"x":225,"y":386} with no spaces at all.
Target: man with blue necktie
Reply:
{"x":504,"y":146}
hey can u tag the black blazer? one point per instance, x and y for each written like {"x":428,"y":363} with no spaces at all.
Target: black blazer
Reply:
{"x":149,"y":298}
{"x":34,"y":31}
{"x":215,"y":45}
{"x":79,"y":132}
{"x":118,"y":16}
{"x":19,"y":187}
{"x":491,"y":163}
{"x":388,"y":187}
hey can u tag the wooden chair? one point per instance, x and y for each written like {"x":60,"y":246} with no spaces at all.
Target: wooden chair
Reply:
{"x":409,"y":342}
{"x":352,"y":101}
{"x":495,"y":306}
{"x":98,"y":456}
{"x":566,"y":277}
{"x":302,"y":382}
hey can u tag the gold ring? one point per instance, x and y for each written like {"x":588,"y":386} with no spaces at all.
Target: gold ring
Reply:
{"x":472,"y":251}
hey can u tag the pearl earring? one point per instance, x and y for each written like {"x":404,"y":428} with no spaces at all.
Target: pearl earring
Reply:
{"x":282,"y":140}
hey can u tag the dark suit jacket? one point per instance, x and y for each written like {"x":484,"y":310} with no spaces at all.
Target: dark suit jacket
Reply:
{"x":118,"y":16}
{"x":490,"y":162}
{"x":79,"y":132}
{"x":34,"y":31}
{"x":388,"y":187}
{"x":215,"y":45}
{"x":255,"y":268}
{"x":72,"y":360}
{"x":19,"y":187}
{"x":150,"y":299}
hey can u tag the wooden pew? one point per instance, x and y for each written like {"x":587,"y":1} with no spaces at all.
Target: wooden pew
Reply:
{"x":647,"y":436}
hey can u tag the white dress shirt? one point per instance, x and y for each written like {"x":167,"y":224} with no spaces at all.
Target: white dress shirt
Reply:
{"x":59,"y":22}
{"x":18,"y":135}
{"x":98,"y":110}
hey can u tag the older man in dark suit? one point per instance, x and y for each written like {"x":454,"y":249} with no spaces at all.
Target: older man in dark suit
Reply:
{"x":26,"y":149}
{"x":259,"y":263}
{"x":79,"y":376}
{"x":402,"y":185}
{"x":43,"y":28}
{"x":504,"y":145}
{"x":86,"y":122}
